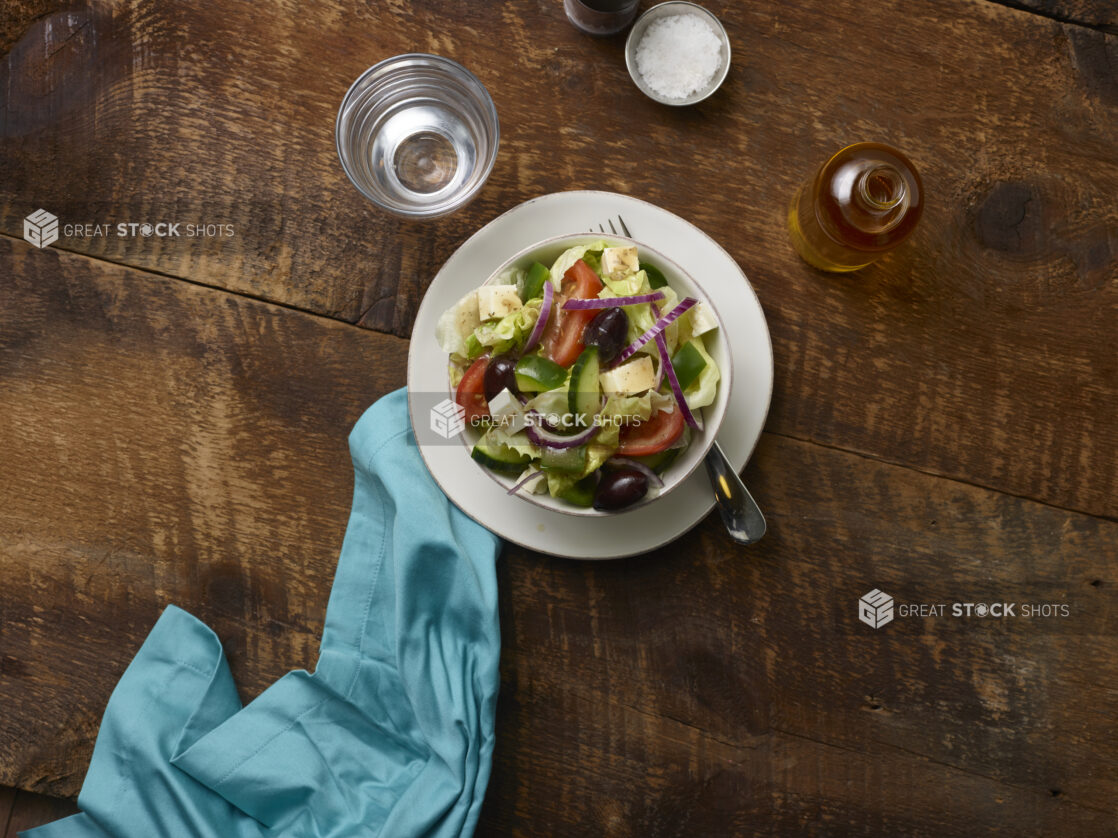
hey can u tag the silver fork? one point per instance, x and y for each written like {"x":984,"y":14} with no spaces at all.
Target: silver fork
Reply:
{"x":740,"y":513}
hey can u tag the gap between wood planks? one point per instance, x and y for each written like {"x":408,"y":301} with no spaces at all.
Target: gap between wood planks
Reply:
{"x":960,"y":480}
{"x":196,"y":283}
{"x":863,"y":454}
{"x":1052,"y":14}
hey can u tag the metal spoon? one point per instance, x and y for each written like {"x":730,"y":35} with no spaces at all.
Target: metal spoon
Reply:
{"x":740,"y":513}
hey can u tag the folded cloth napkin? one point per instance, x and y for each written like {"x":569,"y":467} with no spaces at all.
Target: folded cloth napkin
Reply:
{"x":392,"y":735}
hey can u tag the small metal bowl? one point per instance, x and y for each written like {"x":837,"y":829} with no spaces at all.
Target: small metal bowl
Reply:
{"x":676,"y":7}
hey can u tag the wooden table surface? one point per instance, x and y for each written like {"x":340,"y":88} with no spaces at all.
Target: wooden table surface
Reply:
{"x":944,"y":426}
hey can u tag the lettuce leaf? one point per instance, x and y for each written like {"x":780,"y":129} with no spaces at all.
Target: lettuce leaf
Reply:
{"x":591,"y":252}
{"x":511,"y":330}
{"x":600,"y":449}
{"x":622,"y":409}
{"x":703,"y":389}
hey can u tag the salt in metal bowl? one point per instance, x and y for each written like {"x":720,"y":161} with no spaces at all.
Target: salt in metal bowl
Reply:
{"x":676,"y":7}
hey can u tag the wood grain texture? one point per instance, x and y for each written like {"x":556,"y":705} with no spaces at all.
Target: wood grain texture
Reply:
{"x":698,"y":690}
{"x":1094,"y":14}
{"x":982,"y":350}
{"x":30,"y":810}
{"x":164,"y":443}
{"x":943,"y":425}
{"x":7,"y":798}
{"x":703,"y":690}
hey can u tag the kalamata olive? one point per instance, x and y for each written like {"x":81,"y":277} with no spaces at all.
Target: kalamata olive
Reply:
{"x":607,"y":331}
{"x":619,"y":488}
{"x":499,"y":374}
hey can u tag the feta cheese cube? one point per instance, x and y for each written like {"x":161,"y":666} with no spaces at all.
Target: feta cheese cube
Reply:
{"x":702,"y":321}
{"x":497,"y":301}
{"x":507,"y":412}
{"x":633,"y":376}
{"x":537,"y":484}
{"x":619,"y":262}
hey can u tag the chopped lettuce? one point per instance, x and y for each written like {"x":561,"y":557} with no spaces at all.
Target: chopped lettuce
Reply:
{"x":517,"y":441}
{"x":624,"y":409}
{"x":641,"y":319}
{"x":591,"y":253}
{"x":630,"y":286}
{"x":511,"y":276}
{"x":499,"y":336}
{"x":456,"y":324}
{"x":703,"y":389}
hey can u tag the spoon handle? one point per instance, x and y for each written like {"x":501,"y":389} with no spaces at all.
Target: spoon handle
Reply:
{"x":740,"y":513}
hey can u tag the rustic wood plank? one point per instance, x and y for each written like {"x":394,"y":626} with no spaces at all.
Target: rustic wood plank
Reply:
{"x":30,"y":810}
{"x":7,"y":798}
{"x":700,"y":690}
{"x":1096,"y":14}
{"x":164,"y":443}
{"x":981,"y":351}
{"x":692,"y":688}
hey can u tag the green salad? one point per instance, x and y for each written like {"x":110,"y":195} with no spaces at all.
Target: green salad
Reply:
{"x":584,"y":379}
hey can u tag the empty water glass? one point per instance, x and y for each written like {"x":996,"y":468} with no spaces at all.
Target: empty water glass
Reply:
{"x":417,"y":134}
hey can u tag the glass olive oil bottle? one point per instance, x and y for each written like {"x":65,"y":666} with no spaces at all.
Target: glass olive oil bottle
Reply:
{"x":861,"y":203}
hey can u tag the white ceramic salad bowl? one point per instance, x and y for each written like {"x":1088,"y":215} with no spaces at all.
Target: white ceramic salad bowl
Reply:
{"x":709,"y":418}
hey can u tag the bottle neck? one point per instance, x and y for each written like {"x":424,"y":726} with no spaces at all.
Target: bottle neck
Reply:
{"x":881,"y":191}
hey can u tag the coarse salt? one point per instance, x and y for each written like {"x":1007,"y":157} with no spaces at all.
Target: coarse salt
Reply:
{"x":678,"y":55}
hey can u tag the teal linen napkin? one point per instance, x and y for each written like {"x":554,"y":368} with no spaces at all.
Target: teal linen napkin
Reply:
{"x":392,"y":735}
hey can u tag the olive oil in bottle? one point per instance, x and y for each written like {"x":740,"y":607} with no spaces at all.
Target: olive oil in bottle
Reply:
{"x":862,"y":203}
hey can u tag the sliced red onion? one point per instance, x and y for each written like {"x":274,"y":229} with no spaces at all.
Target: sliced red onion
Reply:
{"x":613,"y":302}
{"x":657,"y":328}
{"x":547,"y":439}
{"x":541,"y":321}
{"x":660,"y":366}
{"x":653,"y":478}
{"x":673,"y":382}
{"x":540,"y":420}
{"x":522,"y":482}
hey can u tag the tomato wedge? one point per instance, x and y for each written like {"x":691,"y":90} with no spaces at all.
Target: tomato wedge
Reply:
{"x":651,"y":436}
{"x":562,"y":337}
{"x":471,"y":390}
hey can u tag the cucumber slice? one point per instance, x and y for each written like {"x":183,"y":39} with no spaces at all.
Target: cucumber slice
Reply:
{"x":498,"y":456}
{"x":531,"y":284}
{"x":584,"y":396}
{"x":566,"y":460}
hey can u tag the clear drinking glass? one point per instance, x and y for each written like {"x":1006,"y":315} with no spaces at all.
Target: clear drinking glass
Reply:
{"x":601,"y":17}
{"x":417,"y":134}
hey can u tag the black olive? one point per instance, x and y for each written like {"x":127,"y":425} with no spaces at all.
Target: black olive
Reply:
{"x":499,"y":374}
{"x":607,"y":331}
{"x":619,"y":488}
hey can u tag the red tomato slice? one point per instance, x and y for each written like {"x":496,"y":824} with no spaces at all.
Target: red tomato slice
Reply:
{"x":562,"y":337}
{"x":471,"y":390}
{"x":651,"y":436}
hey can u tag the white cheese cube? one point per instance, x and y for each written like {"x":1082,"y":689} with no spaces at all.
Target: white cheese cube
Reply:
{"x":457,"y":323}
{"x":702,"y":321}
{"x":634,"y":376}
{"x":497,"y":301}
{"x":537,"y":484}
{"x":507,"y":412}
{"x":619,"y":262}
